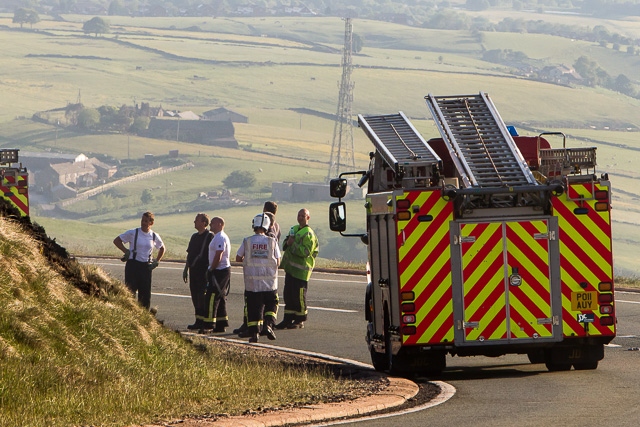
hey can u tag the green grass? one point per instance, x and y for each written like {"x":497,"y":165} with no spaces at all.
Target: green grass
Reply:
{"x":270,"y":67}
{"x":73,"y":359}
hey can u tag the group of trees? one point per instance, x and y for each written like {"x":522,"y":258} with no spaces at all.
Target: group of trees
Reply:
{"x":594,"y":75}
{"x":25,"y":16}
{"x":110,"y":119}
{"x":95,"y":25}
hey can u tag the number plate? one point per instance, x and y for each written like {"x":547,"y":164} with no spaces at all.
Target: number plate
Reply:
{"x":584,"y":301}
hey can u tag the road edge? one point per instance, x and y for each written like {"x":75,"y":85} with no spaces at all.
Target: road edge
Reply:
{"x":397,"y":393}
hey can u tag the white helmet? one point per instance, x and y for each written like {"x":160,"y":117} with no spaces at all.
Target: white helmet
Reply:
{"x":262,"y":221}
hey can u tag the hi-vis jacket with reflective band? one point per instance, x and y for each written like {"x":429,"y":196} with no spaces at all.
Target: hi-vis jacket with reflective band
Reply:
{"x":260,"y":263}
{"x":300,"y":258}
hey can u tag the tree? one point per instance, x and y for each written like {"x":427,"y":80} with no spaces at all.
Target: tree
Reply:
{"x":96,"y":26}
{"x":624,"y":85}
{"x":25,"y":16}
{"x":88,"y":118}
{"x":356,"y":43}
{"x":116,"y":8}
{"x":147,"y":196}
{"x":140,"y":124}
{"x":238,"y":178}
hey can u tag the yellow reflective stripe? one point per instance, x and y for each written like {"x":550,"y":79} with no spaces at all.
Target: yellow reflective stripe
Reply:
{"x":438,"y":234}
{"x":303,"y":306}
{"x":301,"y":267}
{"x":529,"y":317}
{"x":442,"y":317}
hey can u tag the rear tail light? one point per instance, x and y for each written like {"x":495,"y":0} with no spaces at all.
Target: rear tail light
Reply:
{"x":409,"y":318}
{"x":606,"y":309}
{"x":601,"y":206}
{"x":606,"y":321}
{"x":408,"y":330}
{"x":408,"y":296}
{"x":408,"y":307}
{"x":605,"y":286}
{"x":605,"y":298}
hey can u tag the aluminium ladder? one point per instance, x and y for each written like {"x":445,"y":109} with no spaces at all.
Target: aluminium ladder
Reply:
{"x":399,"y":143}
{"x":480,"y":145}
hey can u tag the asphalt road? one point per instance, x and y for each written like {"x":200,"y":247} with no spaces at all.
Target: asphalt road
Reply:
{"x":503,"y":391}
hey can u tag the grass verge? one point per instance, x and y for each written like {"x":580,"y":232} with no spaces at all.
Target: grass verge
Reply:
{"x":76,"y":349}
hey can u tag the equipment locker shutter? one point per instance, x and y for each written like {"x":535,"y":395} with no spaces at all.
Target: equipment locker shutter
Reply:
{"x":506,"y":281}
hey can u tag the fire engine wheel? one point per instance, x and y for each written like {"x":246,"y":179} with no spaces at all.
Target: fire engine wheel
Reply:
{"x":536,"y":356}
{"x":388,"y":349}
{"x":379,"y":360}
{"x":585,"y":366}
{"x":557,"y":367}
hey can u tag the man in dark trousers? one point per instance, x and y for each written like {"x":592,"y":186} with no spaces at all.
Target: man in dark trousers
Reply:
{"x":195,"y":269}
{"x":260,"y":257}
{"x":300,"y":252}
{"x":219,"y":278}
{"x":270,"y":208}
{"x":139,"y":257}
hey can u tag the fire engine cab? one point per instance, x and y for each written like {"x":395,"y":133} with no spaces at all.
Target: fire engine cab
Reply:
{"x":482,"y":242}
{"x":14,"y":183}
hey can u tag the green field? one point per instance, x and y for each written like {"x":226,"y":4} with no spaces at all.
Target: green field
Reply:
{"x":263,"y":68}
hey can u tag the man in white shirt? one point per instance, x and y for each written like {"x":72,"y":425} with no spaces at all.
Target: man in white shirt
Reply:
{"x":139,"y":257}
{"x":219,"y":276}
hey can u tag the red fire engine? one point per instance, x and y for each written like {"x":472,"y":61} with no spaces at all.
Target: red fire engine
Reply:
{"x":15,"y":180}
{"x":482,"y":242}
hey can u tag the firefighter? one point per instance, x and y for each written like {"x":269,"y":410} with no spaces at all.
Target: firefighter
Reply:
{"x":260,"y":257}
{"x":300,"y":251}
{"x":195,"y":269}
{"x":139,"y":257}
{"x":270,"y":208}
{"x":219,"y":277}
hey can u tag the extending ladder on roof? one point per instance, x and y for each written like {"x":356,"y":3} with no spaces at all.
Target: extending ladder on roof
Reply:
{"x":482,"y":148}
{"x":400,"y":145}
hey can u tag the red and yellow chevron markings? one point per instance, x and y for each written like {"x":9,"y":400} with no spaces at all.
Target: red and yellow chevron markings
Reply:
{"x":425,"y":266}
{"x":494,"y":309}
{"x":14,"y":189}
{"x":530,"y":310}
{"x":586,"y":258}
{"x":484,"y":305}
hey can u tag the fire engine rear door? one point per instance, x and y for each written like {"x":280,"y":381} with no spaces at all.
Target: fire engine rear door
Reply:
{"x":504,"y":284}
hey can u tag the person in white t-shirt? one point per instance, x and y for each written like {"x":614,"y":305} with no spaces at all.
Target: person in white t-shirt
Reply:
{"x":139,"y":257}
{"x":219,"y":278}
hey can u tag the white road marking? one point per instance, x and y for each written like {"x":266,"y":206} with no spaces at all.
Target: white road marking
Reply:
{"x":628,"y":302}
{"x":281,"y":275}
{"x":337,"y":310}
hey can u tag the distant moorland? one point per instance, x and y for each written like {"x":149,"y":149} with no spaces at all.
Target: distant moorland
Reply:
{"x":269,"y":69}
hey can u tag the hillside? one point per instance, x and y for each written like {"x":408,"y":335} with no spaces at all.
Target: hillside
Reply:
{"x":76,"y":349}
{"x":274,"y":70}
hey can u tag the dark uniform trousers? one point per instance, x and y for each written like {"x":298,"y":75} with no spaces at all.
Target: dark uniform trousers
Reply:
{"x":197,"y":287}
{"x":137,"y":277}
{"x":295,"y":299}
{"x":216,"y":300}
{"x":262,"y":309}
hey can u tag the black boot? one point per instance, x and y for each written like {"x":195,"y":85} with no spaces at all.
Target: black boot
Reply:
{"x":197,"y":325}
{"x":288,"y":319}
{"x":240,"y":329}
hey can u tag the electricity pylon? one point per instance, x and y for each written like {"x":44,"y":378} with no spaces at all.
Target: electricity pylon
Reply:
{"x":342,"y":152}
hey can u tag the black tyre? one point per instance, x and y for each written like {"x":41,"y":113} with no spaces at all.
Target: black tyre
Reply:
{"x":379,"y":360}
{"x":585,"y":366}
{"x":557,"y":367}
{"x":536,"y":356}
